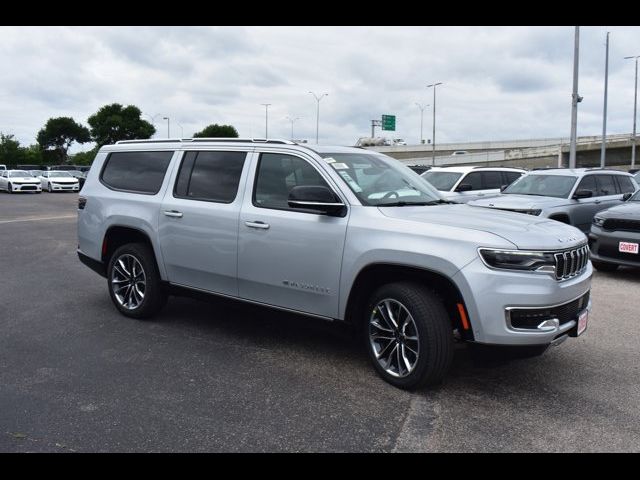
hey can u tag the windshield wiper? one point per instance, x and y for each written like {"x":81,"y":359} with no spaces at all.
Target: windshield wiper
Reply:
{"x":414,"y":204}
{"x":520,"y":193}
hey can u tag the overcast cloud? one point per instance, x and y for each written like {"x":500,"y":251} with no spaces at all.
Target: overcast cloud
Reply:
{"x":499,"y":82}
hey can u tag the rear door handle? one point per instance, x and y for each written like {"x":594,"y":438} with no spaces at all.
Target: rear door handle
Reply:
{"x":597,"y":202}
{"x":173,"y":213}
{"x":257,"y":224}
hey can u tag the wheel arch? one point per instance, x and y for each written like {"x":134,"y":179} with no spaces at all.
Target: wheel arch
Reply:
{"x":118,"y":235}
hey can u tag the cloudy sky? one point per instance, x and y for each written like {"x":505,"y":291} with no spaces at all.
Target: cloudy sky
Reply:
{"x":499,"y":82}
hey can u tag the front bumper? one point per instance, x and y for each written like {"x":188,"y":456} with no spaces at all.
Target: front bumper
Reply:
{"x":26,"y":187}
{"x":604,"y":246}
{"x":72,"y":187}
{"x":492,"y":295}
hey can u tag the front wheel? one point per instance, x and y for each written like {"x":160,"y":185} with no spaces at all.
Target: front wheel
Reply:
{"x":49,"y":189}
{"x":604,"y":267}
{"x":9,"y":188}
{"x":408,"y":334}
{"x":134,"y":281}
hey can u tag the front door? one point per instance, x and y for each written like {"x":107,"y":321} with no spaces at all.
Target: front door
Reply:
{"x":198,"y":221}
{"x":288,"y":257}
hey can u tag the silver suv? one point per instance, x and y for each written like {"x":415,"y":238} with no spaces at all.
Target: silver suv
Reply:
{"x":570,"y":196}
{"x":463,"y":184}
{"x":336,"y":233}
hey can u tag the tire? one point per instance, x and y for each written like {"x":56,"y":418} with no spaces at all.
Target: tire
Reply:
{"x":9,"y":188}
{"x":49,"y":188}
{"x":604,"y":267}
{"x":154,"y":296}
{"x":431,"y":326}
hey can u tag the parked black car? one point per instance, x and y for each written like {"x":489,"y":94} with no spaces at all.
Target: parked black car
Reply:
{"x":615,"y":236}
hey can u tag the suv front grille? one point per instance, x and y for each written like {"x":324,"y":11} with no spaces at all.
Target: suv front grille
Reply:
{"x":571,"y":262}
{"x":530,"y":318}
{"x":620,"y":224}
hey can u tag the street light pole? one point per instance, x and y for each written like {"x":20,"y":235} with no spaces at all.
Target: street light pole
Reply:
{"x":181,"y":130}
{"x":575,"y":99}
{"x":266,"y":119}
{"x":433,"y":137}
{"x":603,"y":147}
{"x":292,"y":120}
{"x":318,"y":98}
{"x":168,"y":126}
{"x":635,"y":106}
{"x":421,"y":107}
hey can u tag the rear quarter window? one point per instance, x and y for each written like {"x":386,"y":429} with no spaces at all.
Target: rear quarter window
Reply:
{"x":136,"y":172}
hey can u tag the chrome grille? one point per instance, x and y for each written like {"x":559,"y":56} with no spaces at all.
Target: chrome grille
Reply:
{"x":570,"y":263}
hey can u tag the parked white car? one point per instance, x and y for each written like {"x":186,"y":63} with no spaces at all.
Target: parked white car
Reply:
{"x":18,"y":181}
{"x":58,"y":181}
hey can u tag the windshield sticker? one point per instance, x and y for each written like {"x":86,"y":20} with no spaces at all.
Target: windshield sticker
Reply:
{"x":330,"y":160}
{"x":347,"y":178}
{"x":340,"y":166}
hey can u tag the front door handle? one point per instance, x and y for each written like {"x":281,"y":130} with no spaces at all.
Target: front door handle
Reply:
{"x":173,"y":213}
{"x":257,"y":224}
{"x":597,"y":202}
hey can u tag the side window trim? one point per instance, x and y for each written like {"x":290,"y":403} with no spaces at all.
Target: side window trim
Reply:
{"x":258,"y":159}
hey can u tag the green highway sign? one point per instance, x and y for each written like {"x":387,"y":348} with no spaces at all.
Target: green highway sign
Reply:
{"x":389,"y":122}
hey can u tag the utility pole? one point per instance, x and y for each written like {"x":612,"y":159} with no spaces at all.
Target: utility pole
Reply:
{"x":266,"y":119}
{"x":374,"y":124}
{"x":575,"y":99}
{"x":318,"y":98}
{"x":292,"y":120}
{"x":421,"y":107}
{"x":635,"y":106}
{"x":168,"y":126}
{"x":433,"y":138}
{"x":603,"y":147}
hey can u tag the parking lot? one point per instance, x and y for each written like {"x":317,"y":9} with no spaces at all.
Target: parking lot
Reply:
{"x":75,"y":375}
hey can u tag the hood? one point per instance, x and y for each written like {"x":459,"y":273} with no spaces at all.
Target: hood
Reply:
{"x":628,"y":210}
{"x":527,"y":232}
{"x":63,"y":179}
{"x":520,"y":202}
{"x":24,"y":179}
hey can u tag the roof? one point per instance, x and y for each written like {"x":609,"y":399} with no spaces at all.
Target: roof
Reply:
{"x":576,"y":171}
{"x":470,"y":168}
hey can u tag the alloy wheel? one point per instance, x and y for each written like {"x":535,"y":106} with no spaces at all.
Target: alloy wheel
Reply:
{"x":128,"y":281}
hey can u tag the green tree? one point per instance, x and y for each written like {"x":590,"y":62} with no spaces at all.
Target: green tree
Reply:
{"x":84,"y":158}
{"x":115,"y":122}
{"x":59,"y":133}
{"x":33,"y":155}
{"x":10,"y":151}
{"x":217,"y":131}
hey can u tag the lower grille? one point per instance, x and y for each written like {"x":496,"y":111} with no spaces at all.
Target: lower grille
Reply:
{"x":621,"y":224}
{"x":613,"y":252}
{"x":529,"y":319}
{"x":571,"y":262}
{"x":28,"y":187}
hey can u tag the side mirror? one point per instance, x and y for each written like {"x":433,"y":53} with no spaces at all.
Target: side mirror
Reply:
{"x":503,"y":188}
{"x":316,"y":198}
{"x":464,"y":187}
{"x":582,"y":194}
{"x":626,"y":196}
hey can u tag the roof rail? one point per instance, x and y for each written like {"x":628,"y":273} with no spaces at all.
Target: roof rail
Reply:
{"x":603,"y":168}
{"x":209,"y":140}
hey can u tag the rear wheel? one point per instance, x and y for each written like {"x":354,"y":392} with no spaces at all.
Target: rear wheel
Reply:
{"x":408,"y":335}
{"x":49,"y":189}
{"x":604,"y":267}
{"x":134,"y":281}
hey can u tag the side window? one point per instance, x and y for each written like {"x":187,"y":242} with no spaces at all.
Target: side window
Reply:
{"x":625,"y":185}
{"x":137,"y":172}
{"x":210,"y":176}
{"x":589,"y":183}
{"x":510,"y":177}
{"x":277,"y":174}
{"x":491,"y":180}
{"x":606,"y":185}
{"x":474,"y":179}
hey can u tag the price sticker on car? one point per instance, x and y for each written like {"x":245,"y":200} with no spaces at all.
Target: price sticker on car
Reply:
{"x":582,"y":322}
{"x":628,"y":247}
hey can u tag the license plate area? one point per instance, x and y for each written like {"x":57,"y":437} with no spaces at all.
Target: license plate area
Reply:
{"x":628,"y":247}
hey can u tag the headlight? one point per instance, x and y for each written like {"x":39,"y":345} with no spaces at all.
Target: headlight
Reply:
{"x":598,"y":221}
{"x":519,"y":260}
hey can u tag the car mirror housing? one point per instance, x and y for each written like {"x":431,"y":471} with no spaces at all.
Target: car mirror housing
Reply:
{"x":464,"y":187}
{"x":318,"y":198}
{"x":582,"y":194}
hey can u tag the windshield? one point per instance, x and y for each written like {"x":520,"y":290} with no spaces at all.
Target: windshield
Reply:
{"x":636,"y":197}
{"x":19,"y":173}
{"x":544,"y":185}
{"x":379,"y":180}
{"x":59,"y":174}
{"x":35,"y":173}
{"x":443,"y":181}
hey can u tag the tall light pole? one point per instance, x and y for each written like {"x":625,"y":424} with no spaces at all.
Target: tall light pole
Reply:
{"x":266,"y":119}
{"x":292,"y":120}
{"x":421,"y":107}
{"x":603,"y":147}
{"x":433,"y":137}
{"x":318,"y":98}
{"x":575,"y":99}
{"x":168,"y":126}
{"x":153,"y":118}
{"x":181,"y":130}
{"x":635,"y":105}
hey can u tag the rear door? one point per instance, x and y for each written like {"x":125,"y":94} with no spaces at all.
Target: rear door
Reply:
{"x":583,"y":210}
{"x":608,"y":191}
{"x":198,"y":221}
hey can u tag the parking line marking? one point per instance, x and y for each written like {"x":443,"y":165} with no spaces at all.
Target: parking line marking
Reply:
{"x":37,"y":219}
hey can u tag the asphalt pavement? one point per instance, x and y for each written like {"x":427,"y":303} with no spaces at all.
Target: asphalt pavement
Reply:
{"x":76,"y":376}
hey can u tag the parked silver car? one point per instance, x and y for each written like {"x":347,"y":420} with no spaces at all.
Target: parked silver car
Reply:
{"x":463,"y":184}
{"x":570,"y":196}
{"x":336,"y":233}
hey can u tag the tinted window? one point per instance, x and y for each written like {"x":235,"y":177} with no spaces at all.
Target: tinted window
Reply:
{"x":474,"y":179}
{"x":210,"y":176}
{"x":510,"y":177}
{"x":543,"y":185}
{"x":139,"y":172}
{"x":625,"y":185}
{"x":443,"y":181}
{"x":277,"y":174}
{"x":589,"y":183}
{"x":491,"y":180}
{"x":606,"y":185}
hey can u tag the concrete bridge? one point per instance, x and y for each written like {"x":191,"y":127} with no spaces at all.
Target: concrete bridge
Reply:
{"x":529,"y":153}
